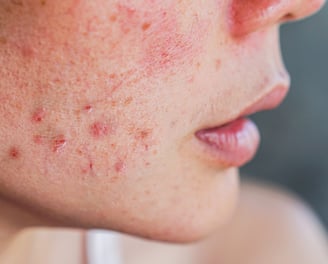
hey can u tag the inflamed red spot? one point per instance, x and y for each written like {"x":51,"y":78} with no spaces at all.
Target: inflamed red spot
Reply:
{"x":88,"y":108}
{"x":99,"y":129}
{"x":39,"y":115}
{"x":14,"y":153}
{"x":59,"y":143}
{"x":119,"y":166}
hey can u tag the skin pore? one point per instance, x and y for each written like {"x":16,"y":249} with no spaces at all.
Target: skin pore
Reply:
{"x":101,"y":101}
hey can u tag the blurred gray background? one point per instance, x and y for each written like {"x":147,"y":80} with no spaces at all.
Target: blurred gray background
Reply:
{"x":294,"y":148}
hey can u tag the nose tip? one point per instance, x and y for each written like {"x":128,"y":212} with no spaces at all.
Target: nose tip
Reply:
{"x":246,"y":16}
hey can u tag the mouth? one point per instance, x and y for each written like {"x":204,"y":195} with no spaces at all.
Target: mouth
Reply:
{"x":235,"y":142}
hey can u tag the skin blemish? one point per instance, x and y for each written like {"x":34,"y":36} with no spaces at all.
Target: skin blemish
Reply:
{"x":38,"y":139}
{"x":217,"y":64}
{"x":39,"y":115}
{"x":59,"y":143}
{"x":145,"y":26}
{"x":113,"y":18}
{"x":43,"y":2}
{"x":14,"y":153}
{"x":99,"y":129}
{"x":119,"y":166}
{"x":128,"y":101}
{"x":88,"y":109}
{"x":27,"y":52}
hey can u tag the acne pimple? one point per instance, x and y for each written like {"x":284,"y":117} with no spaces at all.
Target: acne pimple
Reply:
{"x":39,"y":115}
{"x":99,"y":129}
{"x":59,"y":143}
{"x":88,"y":109}
{"x":119,"y":166}
{"x":14,"y":153}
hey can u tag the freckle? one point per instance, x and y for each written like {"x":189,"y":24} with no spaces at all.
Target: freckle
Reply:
{"x":38,"y":115}
{"x":128,"y":101}
{"x":113,"y":18}
{"x":119,"y":166}
{"x":112,"y":76}
{"x":198,"y":65}
{"x":43,"y":2}
{"x":145,"y":26}
{"x":99,"y":129}
{"x":58,"y":143}
{"x":147,"y":192}
{"x":14,"y":153}
{"x":113,"y":145}
{"x":217,"y":64}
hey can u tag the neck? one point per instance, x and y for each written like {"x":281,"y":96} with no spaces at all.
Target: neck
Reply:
{"x":13,"y":220}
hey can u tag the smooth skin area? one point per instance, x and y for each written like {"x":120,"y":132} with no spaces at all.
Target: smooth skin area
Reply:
{"x":101,"y":101}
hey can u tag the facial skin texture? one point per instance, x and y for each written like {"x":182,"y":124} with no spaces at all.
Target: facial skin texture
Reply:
{"x":100,"y":101}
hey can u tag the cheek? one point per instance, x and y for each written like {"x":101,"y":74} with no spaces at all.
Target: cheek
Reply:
{"x":74,"y":64}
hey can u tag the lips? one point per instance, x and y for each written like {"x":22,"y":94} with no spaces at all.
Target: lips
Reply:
{"x":235,"y":142}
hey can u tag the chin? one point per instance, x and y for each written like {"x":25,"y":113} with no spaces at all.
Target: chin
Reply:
{"x":190,"y":220}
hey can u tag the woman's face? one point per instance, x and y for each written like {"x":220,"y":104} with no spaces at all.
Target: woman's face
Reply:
{"x":112,"y":110}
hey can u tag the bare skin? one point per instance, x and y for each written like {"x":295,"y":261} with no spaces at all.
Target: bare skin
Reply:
{"x":269,"y":226}
{"x":110,"y":108}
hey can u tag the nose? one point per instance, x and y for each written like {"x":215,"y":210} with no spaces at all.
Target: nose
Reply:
{"x":247,"y":16}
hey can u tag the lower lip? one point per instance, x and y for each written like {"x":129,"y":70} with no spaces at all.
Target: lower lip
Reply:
{"x":233,"y":144}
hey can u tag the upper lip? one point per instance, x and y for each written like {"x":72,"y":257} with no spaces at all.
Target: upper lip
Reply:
{"x":269,"y":100}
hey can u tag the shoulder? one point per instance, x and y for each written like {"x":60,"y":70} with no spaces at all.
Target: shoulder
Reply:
{"x":271,"y":226}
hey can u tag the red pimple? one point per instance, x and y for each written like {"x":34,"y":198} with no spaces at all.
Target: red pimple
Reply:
{"x":38,"y":115}
{"x":58,"y":143}
{"x":14,"y":153}
{"x":99,"y":129}
{"x":119,"y":166}
{"x":88,"y":108}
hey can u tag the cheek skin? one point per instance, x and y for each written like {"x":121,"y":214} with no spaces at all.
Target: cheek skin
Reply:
{"x":62,"y":47}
